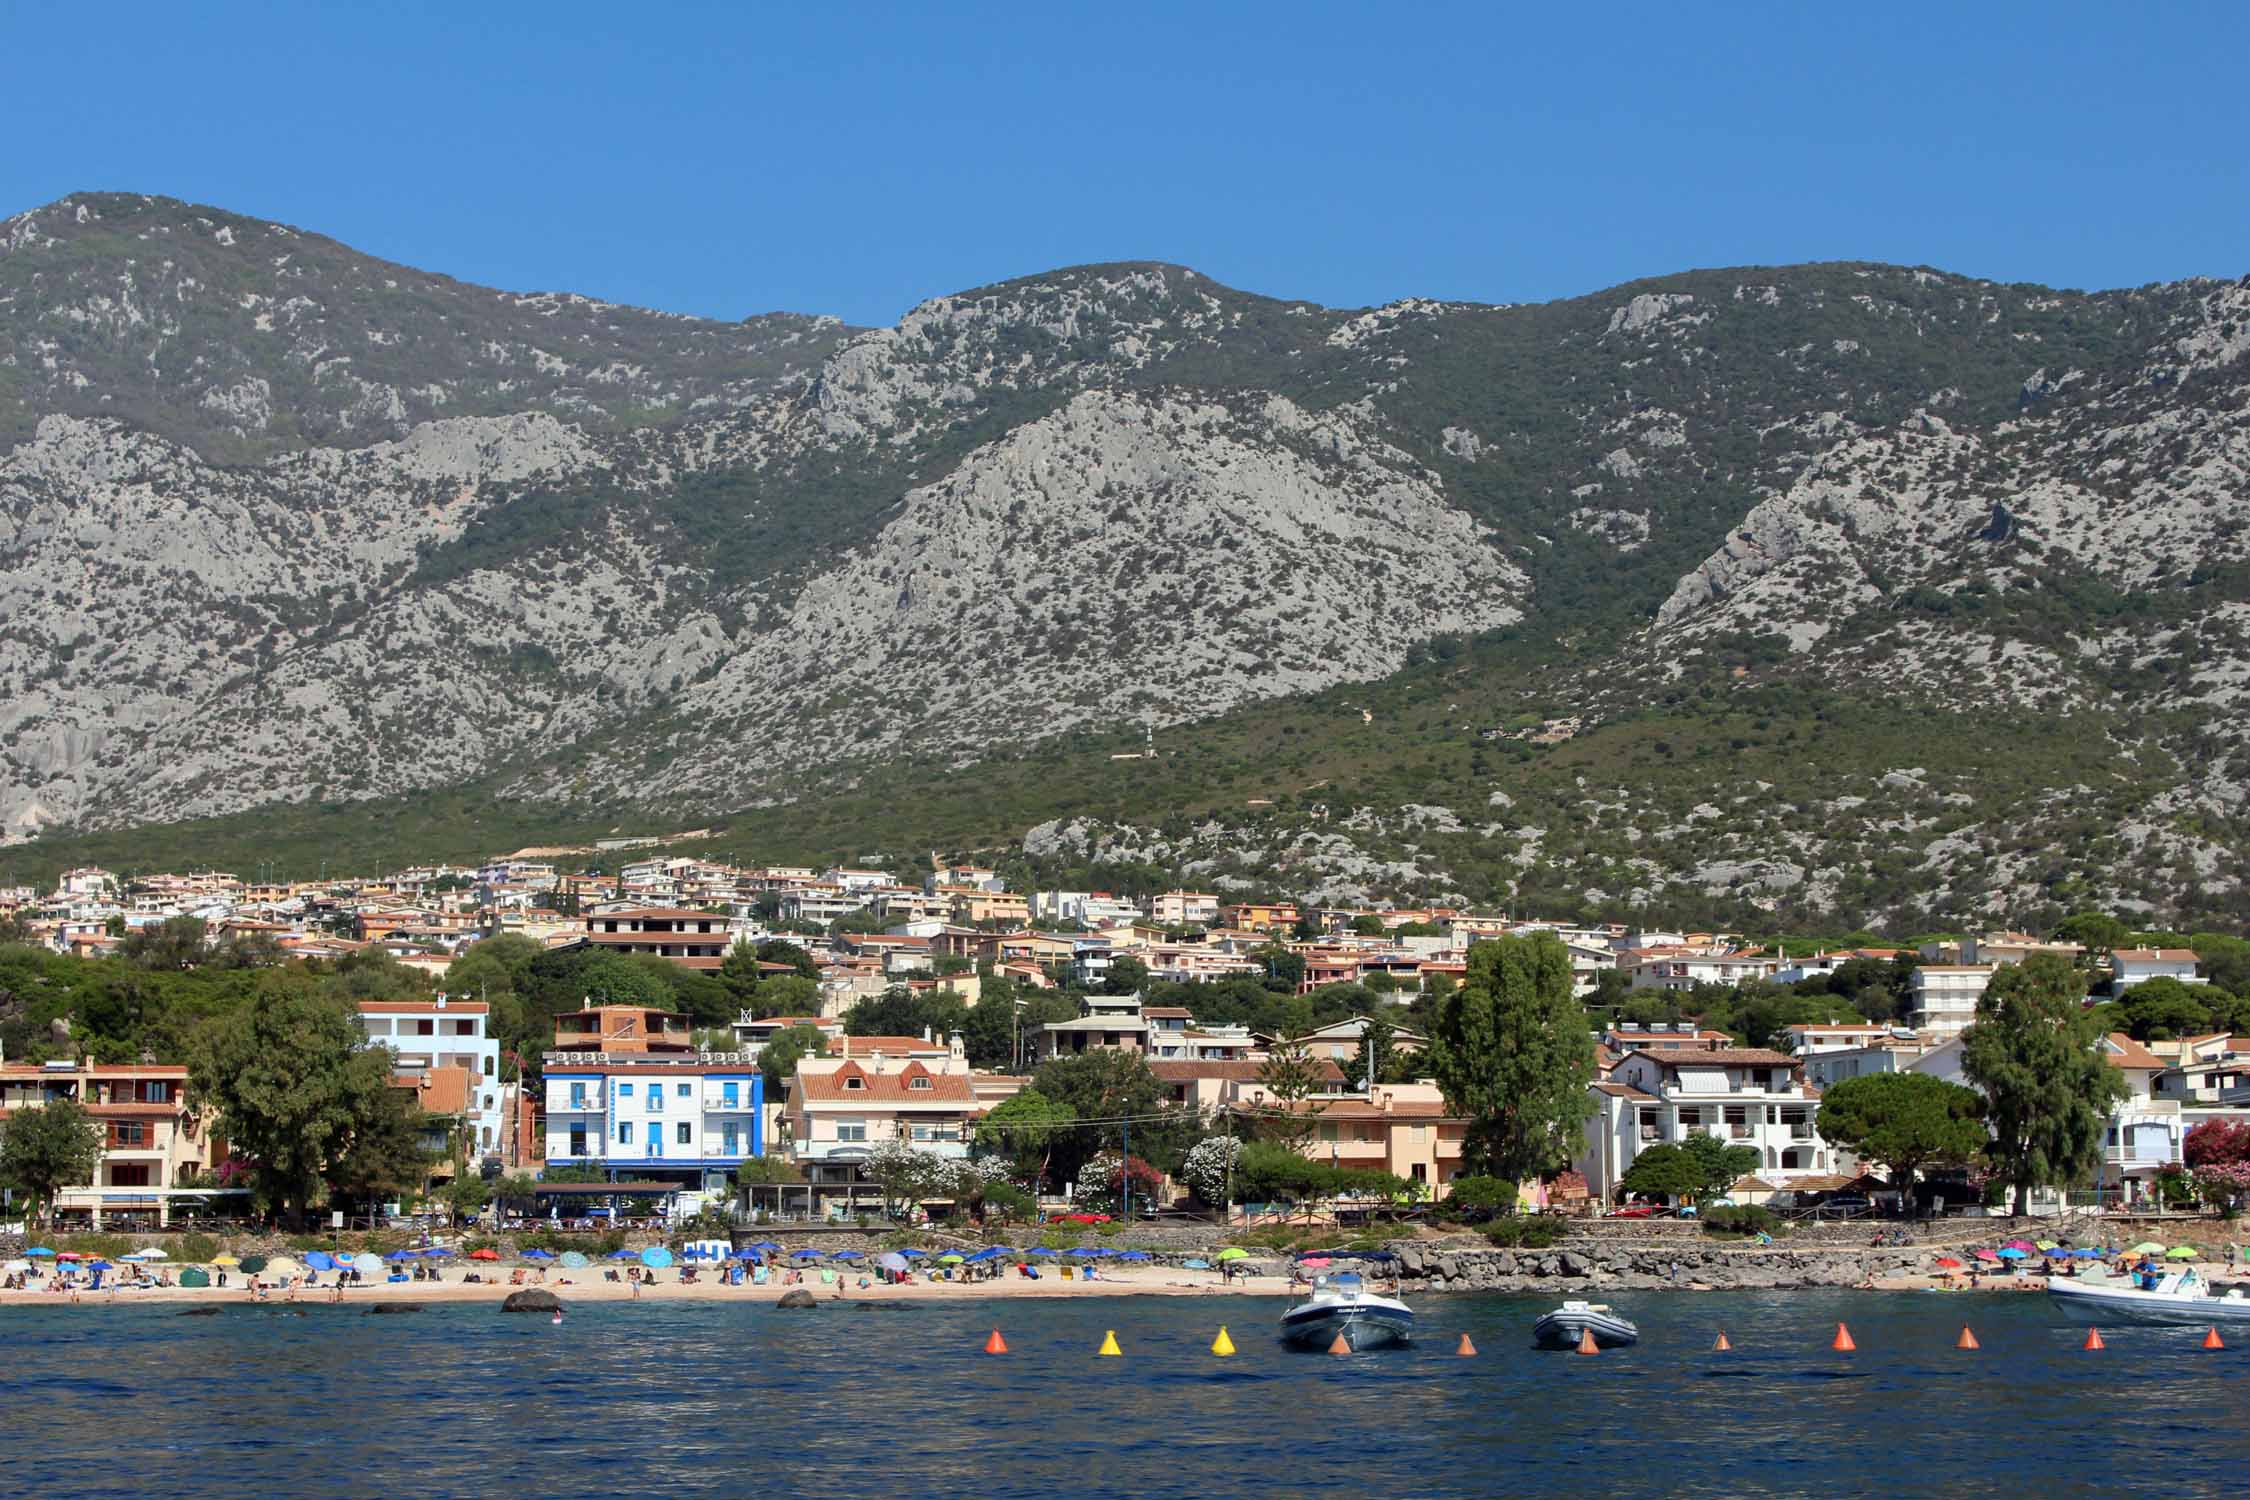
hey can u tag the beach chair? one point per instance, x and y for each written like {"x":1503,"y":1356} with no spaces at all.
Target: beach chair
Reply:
{"x":1068,"y":1274}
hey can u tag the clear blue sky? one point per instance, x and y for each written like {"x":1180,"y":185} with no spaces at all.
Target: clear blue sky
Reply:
{"x":734,"y":158}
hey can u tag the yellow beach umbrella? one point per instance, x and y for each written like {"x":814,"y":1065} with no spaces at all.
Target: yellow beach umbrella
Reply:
{"x":225,"y":1260}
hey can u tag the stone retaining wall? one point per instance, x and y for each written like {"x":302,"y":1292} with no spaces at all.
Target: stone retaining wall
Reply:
{"x":1589,"y":1266}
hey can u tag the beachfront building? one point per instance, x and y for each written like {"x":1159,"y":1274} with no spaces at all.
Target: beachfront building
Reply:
{"x":1741,"y":1095}
{"x":692,"y":939}
{"x":1112,"y":1022}
{"x":155,"y":1149}
{"x":1404,"y":1129}
{"x":629,"y":1094}
{"x":2130,"y":966}
{"x":868,"y":1091}
{"x":445,"y":1049}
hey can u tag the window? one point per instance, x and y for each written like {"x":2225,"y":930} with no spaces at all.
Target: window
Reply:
{"x":919,"y":1083}
{"x":656,"y":1148}
{"x":730,"y":1095}
{"x":851,"y":1130}
{"x":624,"y":1132}
{"x":624,"y":1091}
{"x":686,"y":1136}
{"x":684,"y":1090}
{"x":490,"y":1066}
{"x":655,"y":1098}
{"x":131,"y":1133}
{"x":425,"y":1028}
{"x":577,"y":1140}
{"x":578,"y":1096}
{"x":854,"y":1081}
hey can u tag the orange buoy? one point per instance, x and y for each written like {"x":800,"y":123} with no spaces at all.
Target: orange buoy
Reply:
{"x":1843,"y":1340}
{"x":1586,"y":1344}
{"x":1967,"y":1340}
{"x":1339,"y":1346}
{"x":2212,"y":1340}
{"x":2093,"y":1340}
{"x":1722,"y":1346}
{"x":1467,"y":1348}
{"x":996,"y":1344}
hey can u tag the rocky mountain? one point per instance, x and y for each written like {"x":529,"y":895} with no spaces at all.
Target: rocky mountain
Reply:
{"x":284,"y":524}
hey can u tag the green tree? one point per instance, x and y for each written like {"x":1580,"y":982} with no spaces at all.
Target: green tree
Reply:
{"x":1906,"y":1121}
{"x":1664,"y":1171}
{"x":46,"y":1149}
{"x":2096,"y":931}
{"x":782,"y":951}
{"x":2165,"y":1009}
{"x":465,"y":1196}
{"x":292,"y":1086}
{"x":1023,"y":1128}
{"x":1127,"y":976}
{"x":1512,"y":1051}
{"x":174,"y":944}
{"x":1291,"y":1079}
{"x":778,"y":1058}
{"x":785,"y":995}
{"x":1719,"y":1162}
{"x":2032,"y":1051}
{"x":1101,"y":1088}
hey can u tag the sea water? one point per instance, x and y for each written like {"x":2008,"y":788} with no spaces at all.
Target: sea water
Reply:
{"x":704,"y":1398}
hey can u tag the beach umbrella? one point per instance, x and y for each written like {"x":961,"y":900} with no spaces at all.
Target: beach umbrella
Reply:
{"x":282,"y":1265}
{"x":624,"y":1255}
{"x":656,"y":1257}
{"x":1196,"y":1263}
{"x":221,"y":1259}
{"x":1987,"y":1255}
{"x":766,"y":1245}
{"x":320,"y":1260}
{"x":1948,"y":1263}
{"x":40,"y":1252}
{"x":2023,"y":1245}
{"x":367,"y":1263}
{"x":575,"y":1260}
{"x":99,"y":1265}
{"x":1042,"y":1250}
{"x":437,"y":1252}
{"x":2010,"y":1252}
{"x":1133,"y":1255}
{"x":195,"y":1276}
{"x":399,"y":1257}
{"x":68,"y":1255}
{"x":951,"y":1260}
{"x":893,"y":1261}
{"x":150,"y":1253}
{"x":1234,"y":1253}
{"x":2049,"y":1244}
{"x":849,"y":1255}
{"x":806,"y":1255}
{"x":1083,"y":1252}
{"x":14,"y":1266}
{"x":484,"y":1253}
{"x":2089,"y":1254}
{"x":909,"y":1254}
{"x":539,"y":1255}
{"x":253,"y":1264}
{"x":2182,"y":1252}
{"x":2146,"y":1247}
{"x":746,"y":1254}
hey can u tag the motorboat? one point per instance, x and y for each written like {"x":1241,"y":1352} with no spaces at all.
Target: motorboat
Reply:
{"x":1568,"y":1324}
{"x":1341,"y":1306}
{"x":2178,"y":1297}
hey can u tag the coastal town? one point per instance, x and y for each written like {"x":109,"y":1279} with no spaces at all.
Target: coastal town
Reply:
{"x":785,"y":1079}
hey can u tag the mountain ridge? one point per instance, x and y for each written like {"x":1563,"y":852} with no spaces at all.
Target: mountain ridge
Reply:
{"x":1102,"y":500}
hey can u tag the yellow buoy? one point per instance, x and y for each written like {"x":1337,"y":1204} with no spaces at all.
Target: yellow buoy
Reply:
{"x":1109,"y":1343}
{"x":1222,"y":1345}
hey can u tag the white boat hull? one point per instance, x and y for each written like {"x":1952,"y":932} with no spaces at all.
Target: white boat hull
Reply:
{"x":2115,"y":1303}
{"x":1371,"y":1323}
{"x":1563,"y":1328}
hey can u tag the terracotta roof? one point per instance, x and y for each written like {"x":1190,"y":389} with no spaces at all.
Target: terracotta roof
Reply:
{"x":1622,"y":1090}
{"x":2131,"y":1054}
{"x":890,"y":1088}
{"x":2157,"y":955}
{"x":440,"y":1091}
{"x":868,"y":1046}
{"x":1725,"y":1057}
{"x":1187,"y":1070}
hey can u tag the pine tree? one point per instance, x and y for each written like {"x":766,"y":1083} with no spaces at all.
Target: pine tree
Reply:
{"x":2033,"y":1052}
{"x":1513,"y":1051}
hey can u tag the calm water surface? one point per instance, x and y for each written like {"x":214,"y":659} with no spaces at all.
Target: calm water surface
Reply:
{"x":711,"y":1399}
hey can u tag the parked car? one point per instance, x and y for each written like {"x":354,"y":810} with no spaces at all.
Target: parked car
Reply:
{"x":1638,"y":1211}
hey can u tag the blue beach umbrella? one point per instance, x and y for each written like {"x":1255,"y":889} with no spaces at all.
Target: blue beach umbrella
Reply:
{"x":1083,"y":1252}
{"x":574,"y":1260}
{"x":1196,"y":1264}
{"x":766,"y":1245}
{"x":1043,"y":1250}
{"x":914,"y":1254}
{"x":656,"y":1257}
{"x":1133,"y":1255}
{"x":2012,"y":1254}
{"x":37,"y":1252}
{"x":849,"y":1255}
{"x":539,"y":1255}
{"x":806,"y":1255}
{"x":624,"y":1255}
{"x":399,"y":1257}
{"x":319,"y":1260}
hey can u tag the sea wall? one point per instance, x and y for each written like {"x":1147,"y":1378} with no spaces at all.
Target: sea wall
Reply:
{"x":1588,"y":1265}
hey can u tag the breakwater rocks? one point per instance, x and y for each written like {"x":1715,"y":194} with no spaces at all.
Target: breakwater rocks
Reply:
{"x":1591,"y":1266}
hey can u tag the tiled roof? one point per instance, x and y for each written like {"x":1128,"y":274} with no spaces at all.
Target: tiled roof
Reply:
{"x":888,"y":1088}
{"x":1720,"y":1057}
{"x":423,"y":1007}
{"x":2131,"y":1054}
{"x":1188,"y":1070}
{"x":2156,"y":955}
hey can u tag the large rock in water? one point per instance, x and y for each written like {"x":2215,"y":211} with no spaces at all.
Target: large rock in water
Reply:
{"x":797,"y":1296}
{"x":532,"y":1299}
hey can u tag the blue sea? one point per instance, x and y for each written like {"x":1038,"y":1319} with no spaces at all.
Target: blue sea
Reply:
{"x":663,"y":1400}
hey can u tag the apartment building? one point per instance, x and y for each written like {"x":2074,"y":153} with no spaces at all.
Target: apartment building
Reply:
{"x":152,"y":1143}
{"x":628,"y":1093}
{"x":432,"y":1037}
{"x":1942,"y":998}
{"x":692,"y":939}
{"x":1744,"y":1096}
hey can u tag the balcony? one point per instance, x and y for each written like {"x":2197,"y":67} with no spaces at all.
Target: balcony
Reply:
{"x":2140,"y":1156}
{"x":1800,"y":1132}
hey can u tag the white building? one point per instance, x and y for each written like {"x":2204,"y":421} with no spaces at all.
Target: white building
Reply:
{"x":2129,"y":966}
{"x":690,"y":1118}
{"x":1943,"y":997}
{"x":1743,"y":1096}
{"x":429,"y":1035}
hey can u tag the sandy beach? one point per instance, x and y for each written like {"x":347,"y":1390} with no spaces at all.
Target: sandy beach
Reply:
{"x":1152,"y":1281}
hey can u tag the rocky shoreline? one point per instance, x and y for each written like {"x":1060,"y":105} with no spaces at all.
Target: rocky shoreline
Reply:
{"x":1590,"y":1266}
